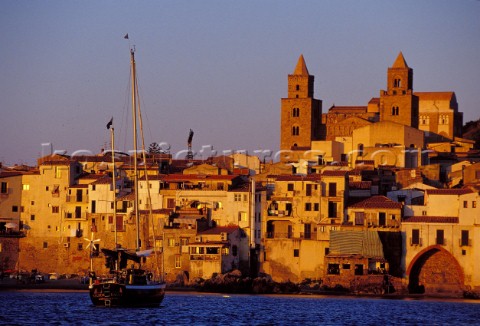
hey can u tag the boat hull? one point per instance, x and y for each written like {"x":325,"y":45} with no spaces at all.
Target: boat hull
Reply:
{"x":111,"y":294}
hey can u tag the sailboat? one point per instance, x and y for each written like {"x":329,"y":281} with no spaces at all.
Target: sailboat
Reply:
{"x":128,"y":286}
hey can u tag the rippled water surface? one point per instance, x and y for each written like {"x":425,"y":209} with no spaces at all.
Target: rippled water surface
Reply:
{"x":75,"y":308}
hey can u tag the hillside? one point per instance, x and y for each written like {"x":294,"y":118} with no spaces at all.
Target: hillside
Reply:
{"x":471,"y":130}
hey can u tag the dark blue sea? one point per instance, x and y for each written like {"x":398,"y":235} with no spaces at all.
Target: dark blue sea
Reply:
{"x":75,"y":308}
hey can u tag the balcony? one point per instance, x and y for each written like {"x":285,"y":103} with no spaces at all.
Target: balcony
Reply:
{"x":11,"y":234}
{"x":279,"y":213}
{"x":76,"y":199}
{"x":465,"y":242}
{"x":441,"y":241}
{"x":289,"y":235}
{"x":416,"y":242}
{"x":205,"y":257}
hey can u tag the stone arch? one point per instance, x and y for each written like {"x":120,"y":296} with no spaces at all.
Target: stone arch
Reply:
{"x":435,"y":271}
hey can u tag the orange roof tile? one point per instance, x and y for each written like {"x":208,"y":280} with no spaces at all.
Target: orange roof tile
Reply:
{"x":377,"y":202}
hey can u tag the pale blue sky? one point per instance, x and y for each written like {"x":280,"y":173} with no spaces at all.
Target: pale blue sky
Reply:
{"x":217,"y":67}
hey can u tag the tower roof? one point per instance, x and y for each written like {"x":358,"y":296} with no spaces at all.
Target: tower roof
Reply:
{"x":400,"y":62}
{"x":301,"y":68}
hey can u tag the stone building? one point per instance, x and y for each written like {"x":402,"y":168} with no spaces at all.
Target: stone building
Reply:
{"x":300,"y":114}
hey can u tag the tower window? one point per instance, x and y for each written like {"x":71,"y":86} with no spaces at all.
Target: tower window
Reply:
{"x":296,"y":112}
{"x":395,"y":110}
{"x":397,"y":82}
{"x":295,"y":130}
{"x":297,"y":87}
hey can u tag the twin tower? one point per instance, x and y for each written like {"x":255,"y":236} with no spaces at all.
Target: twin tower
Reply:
{"x":301,"y":114}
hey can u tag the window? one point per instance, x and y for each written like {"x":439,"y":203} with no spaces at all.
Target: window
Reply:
{"x":78,"y":212}
{"x":80,"y":246}
{"x":45,"y":245}
{"x":440,"y":240}
{"x":358,"y":269}
{"x":308,"y":191}
{"x":415,"y":237}
{"x":382,"y":219}
{"x":395,"y":110}
{"x":359,"y":218}
{"x":171,"y":242}
{"x":178,"y":263}
{"x":308,"y":207}
{"x":4,"y":188}
{"x":14,"y":209}
{"x":295,"y":130}
{"x":171,"y":203}
{"x":26,"y":187}
{"x":465,"y":204}
{"x":316,"y":207}
{"x":332,"y":209}
{"x":464,"y":239}
{"x":32,"y":217}
{"x":242,"y":216}
{"x":397,"y":82}
{"x":474,"y":204}
{"x":332,"y":189}
{"x":345,"y":266}
{"x":296,"y":252}
{"x":360,"y":149}
{"x":237,"y":197}
{"x":333,"y":269}
{"x":308,"y":231}
{"x":297,"y":87}
{"x":55,"y":209}
{"x":290,"y":187}
{"x":296,"y":112}
{"x":58,"y":172}
{"x":327,"y":251}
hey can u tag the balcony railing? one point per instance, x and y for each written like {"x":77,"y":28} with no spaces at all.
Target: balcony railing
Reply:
{"x":279,"y":213}
{"x":416,"y":242}
{"x":12,"y":234}
{"x":205,"y":257}
{"x":441,"y":241}
{"x":75,"y":199}
{"x":465,"y":242}
{"x":291,"y":235}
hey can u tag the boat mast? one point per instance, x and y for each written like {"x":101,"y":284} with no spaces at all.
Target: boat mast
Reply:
{"x":135,"y":163}
{"x":114,"y":185}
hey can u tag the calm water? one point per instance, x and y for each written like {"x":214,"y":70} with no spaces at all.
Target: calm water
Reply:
{"x":74,"y":308}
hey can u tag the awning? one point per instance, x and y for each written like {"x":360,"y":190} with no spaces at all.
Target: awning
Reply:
{"x":11,"y":225}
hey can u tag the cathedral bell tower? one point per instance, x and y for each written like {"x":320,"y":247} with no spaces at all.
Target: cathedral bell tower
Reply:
{"x":397,"y":103}
{"x":301,"y":114}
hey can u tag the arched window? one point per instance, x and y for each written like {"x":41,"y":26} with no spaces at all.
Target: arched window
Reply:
{"x":395,"y":110}
{"x":397,"y":82}
{"x":297,"y":87}
{"x":296,"y":112}
{"x":295,"y":130}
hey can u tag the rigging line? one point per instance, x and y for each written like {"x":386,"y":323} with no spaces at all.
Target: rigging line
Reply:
{"x":149,"y":197}
{"x":146,"y":112}
{"x":126,"y":113}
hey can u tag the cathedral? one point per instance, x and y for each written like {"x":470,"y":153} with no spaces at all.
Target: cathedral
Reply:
{"x":400,"y":123}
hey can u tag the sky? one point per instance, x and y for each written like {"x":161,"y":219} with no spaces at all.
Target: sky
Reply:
{"x":217,"y":67}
